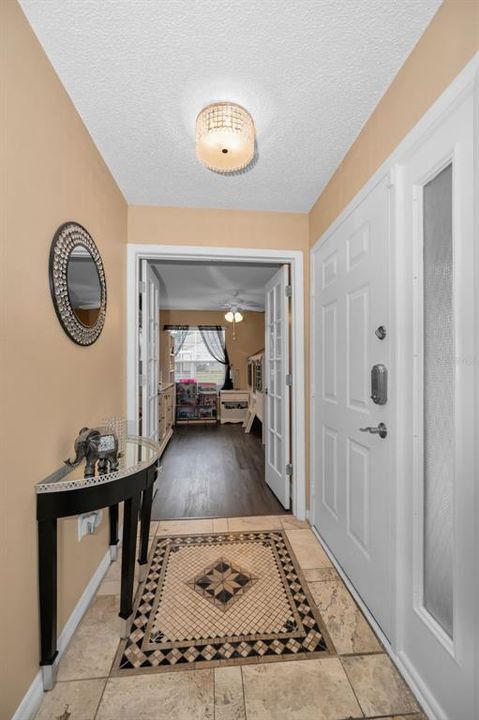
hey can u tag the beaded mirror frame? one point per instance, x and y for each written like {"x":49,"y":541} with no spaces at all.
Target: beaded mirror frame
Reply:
{"x":67,"y":237}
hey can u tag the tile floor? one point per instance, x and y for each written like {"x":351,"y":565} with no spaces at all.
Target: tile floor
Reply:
{"x":255,"y":605}
{"x":359,"y":681}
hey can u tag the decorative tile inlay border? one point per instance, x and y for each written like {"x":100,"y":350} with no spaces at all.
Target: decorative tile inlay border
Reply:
{"x":221,"y":599}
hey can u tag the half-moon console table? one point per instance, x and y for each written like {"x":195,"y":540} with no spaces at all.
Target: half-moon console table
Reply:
{"x":66,"y":492}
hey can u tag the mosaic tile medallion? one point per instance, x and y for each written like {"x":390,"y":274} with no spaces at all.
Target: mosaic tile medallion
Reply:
{"x":222,"y":583}
{"x":221,"y":599}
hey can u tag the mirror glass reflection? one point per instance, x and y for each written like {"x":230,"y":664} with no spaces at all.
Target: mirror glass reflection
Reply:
{"x":84,"y":286}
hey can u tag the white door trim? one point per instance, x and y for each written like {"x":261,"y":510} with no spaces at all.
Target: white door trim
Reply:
{"x":466,"y":83}
{"x":294,"y":258}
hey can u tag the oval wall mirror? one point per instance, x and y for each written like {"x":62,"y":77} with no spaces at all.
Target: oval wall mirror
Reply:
{"x":77,"y":283}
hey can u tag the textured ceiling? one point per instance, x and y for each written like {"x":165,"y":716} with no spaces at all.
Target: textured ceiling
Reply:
{"x":309,"y":71}
{"x":212,"y":285}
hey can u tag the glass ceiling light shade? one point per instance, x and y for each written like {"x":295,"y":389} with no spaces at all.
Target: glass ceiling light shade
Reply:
{"x":233,"y":316}
{"x":225,"y":137}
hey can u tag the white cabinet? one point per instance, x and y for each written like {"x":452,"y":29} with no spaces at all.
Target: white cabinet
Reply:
{"x":233,"y":405}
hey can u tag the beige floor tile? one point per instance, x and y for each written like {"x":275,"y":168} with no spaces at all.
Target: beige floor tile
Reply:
{"x":184,"y":527}
{"x":80,"y":698}
{"x":415,"y":716}
{"x":154,"y":527}
{"x":111,"y":583}
{"x":307,"y":549}
{"x":92,"y":648}
{"x":254,"y":522}
{"x":290,"y":522}
{"x":229,"y":700}
{"x":301,"y":690}
{"x":320,"y":574}
{"x":220,"y":525}
{"x":378,"y":686}
{"x":345,"y":622}
{"x":176,"y":696}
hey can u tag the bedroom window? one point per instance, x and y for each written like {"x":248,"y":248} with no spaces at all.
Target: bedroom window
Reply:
{"x":194,"y":361}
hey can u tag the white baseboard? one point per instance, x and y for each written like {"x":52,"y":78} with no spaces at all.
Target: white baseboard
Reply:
{"x":408,"y":672}
{"x":33,"y":697}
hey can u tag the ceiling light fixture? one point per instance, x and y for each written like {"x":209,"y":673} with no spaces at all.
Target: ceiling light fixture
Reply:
{"x":225,"y":137}
{"x":234,"y":316}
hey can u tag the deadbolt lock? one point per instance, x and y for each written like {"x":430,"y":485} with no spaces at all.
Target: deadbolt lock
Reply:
{"x":379,"y":384}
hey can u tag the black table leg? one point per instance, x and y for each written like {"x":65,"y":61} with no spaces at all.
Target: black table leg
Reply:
{"x":47,"y":580}
{"x":145,"y":516}
{"x":130,"y":527}
{"x":113,"y":513}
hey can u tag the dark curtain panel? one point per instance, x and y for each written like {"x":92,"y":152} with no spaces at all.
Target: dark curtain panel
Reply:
{"x":213,"y":338}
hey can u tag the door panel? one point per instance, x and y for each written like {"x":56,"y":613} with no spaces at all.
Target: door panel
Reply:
{"x":330,"y":352}
{"x":330,"y":470}
{"x":277,"y":397}
{"x":353,"y":482}
{"x":438,"y":612}
{"x":357,"y":348}
{"x":149,"y":350}
{"x":357,"y":479}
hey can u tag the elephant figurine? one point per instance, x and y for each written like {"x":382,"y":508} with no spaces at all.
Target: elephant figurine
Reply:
{"x":96,"y":445}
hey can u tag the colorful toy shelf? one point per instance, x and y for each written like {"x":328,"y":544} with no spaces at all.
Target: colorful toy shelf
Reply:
{"x":196,"y":401}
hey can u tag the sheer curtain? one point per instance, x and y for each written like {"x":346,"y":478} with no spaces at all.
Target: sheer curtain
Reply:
{"x":179,"y":333}
{"x":214,"y":340}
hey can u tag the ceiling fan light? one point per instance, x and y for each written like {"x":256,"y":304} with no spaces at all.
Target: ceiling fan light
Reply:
{"x":229,"y":316}
{"x":238,"y":317}
{"x":225,"y":137}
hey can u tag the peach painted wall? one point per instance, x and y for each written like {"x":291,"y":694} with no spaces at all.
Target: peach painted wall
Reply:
{"x":449,"y":42}
{"x":51,"y":172}
{"x":249,"y":335}
{"x":229,"y":228}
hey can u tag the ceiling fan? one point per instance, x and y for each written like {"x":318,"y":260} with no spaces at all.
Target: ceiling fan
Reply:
{"x":234,"y":307}
{"x":238,"y":303}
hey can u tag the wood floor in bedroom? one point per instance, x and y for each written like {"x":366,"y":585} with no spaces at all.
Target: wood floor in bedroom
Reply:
{"x":213,"y":470}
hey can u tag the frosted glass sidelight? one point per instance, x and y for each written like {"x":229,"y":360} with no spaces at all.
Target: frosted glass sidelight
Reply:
{"x":438,"y":399}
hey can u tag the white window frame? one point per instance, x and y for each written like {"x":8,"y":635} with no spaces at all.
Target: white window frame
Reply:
{"x":194,"y":329}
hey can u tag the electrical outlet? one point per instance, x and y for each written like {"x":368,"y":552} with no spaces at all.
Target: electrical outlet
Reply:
{"x":88,"y":523}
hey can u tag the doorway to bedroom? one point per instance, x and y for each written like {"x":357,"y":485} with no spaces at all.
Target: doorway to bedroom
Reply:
{"x":215,"y":384}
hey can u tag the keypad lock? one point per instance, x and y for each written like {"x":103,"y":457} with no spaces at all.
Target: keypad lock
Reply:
{"x":379,"y":384}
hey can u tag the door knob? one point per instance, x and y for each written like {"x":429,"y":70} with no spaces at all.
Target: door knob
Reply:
{"x":380,"y":430}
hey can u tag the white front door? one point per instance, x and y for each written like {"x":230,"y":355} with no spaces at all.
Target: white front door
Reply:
{"x":277,"y":444}
{"x":353,"y":481}
{"x":149,"y":349}
{"x":439,"y":615}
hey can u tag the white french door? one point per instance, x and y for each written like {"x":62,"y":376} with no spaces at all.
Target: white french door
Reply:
{"x":149,"y":329}
{"x":439,"y":617}
{"x":353,"y":480}
{"x":277,"y":440}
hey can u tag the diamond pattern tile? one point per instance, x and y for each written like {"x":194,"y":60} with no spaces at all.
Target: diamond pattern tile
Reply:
{"x":223,"y":598}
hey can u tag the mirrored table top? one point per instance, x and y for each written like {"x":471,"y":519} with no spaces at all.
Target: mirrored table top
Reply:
{"x":139,"y":454}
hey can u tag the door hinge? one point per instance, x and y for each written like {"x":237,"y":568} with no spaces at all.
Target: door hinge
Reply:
{"x":289,"y":469}
{"x":288,"y":290}
{"x":289,"y":379}
{"x":142,"y":286}
{"x":142,"y":380}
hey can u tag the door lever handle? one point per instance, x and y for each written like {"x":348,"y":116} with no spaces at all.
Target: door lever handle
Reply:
{"x":380,"y":430}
